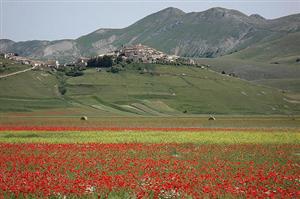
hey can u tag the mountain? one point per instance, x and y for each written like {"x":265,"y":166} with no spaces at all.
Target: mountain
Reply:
{"x":211,"y":33}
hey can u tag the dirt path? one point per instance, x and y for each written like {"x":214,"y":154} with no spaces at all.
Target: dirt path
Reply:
{"x":18,"y":72}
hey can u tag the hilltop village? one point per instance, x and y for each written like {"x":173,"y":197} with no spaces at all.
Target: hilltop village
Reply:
{"x":129,"y":54}
{"x":142,"y":54}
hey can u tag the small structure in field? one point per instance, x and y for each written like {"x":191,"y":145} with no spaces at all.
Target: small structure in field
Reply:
{"x":84,"y":118}
{"x":211,"y":118}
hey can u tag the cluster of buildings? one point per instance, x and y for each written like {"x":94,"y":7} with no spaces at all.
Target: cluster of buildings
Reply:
{"x":28,"y":61}
{"x":81,"y":62}
{"x":143,"y":54}
{"x":135,"y":53}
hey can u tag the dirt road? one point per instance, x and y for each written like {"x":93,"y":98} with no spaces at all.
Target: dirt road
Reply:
{"x":18,"y":72}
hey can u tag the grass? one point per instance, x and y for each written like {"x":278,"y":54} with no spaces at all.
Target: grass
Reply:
{"x":252,"y":69}
{"x":163,"y":91}
{"x":291,"y":84}
{"x":207,"y":137}
{"x":181,"y":89}
{"x":271,"y":62}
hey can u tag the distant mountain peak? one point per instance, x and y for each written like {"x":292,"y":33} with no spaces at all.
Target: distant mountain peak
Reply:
{"x":217,"y":9}
{"x":219,"y":12}
{"x":172,"y":11}
{"x":257,"y":16}
{"x":225,"y":10}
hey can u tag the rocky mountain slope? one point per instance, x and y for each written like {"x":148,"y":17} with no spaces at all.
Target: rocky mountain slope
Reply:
{"x":211,"y":33}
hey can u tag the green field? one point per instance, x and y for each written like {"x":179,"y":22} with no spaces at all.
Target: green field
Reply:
{"x":206,"y":137}
{"x":162,"y":90}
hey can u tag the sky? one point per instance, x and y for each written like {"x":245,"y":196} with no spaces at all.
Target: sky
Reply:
{"x":22,"y":20}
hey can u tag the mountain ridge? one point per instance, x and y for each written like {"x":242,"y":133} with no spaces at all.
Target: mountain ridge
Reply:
{"x":210,"y":33}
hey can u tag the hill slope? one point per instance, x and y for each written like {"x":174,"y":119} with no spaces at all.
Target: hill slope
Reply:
{"x":273,"y":62}
{"x":160,"y":91}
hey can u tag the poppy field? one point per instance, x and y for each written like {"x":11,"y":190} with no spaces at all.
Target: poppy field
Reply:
{"x":153,"y":163}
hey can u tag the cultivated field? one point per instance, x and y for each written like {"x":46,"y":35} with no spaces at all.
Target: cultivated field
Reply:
{"x":60,"y":162}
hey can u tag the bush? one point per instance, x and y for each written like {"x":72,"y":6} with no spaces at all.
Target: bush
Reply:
{"x":114,"y":70}
{"x":129,"y":61}
{"x":118,"y":60}
{"x":62,"y":89}
{"x":61,"y":82}
{"x":74,"y":73}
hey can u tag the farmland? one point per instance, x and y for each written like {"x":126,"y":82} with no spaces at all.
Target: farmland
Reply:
{"x":141,"y":170}
{"x":147,"y":135}
{"x":142,"y":163}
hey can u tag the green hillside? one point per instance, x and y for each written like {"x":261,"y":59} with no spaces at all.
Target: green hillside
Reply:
{"x":272,"y":62}
{"x":282,"y":50}
{"x":140,"y":89}
{"x":175,"y":90}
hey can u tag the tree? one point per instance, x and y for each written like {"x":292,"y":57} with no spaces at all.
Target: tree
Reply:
{"x":92,"y":62}
{"x":106,"y":61}
{"x":100,"y":62}
{"x":114,"y":70}
{"x":119,"y":59}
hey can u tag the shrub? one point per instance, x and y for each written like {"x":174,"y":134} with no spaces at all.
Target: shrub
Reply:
{"x":74,"y":73}
{"x":62,"y":89}
{"x":114,"y":69}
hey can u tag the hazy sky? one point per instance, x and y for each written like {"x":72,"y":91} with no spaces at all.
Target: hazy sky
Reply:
{"x":61,"y":19}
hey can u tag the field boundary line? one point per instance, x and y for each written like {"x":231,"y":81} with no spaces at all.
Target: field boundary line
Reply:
{"x":143,"y":129}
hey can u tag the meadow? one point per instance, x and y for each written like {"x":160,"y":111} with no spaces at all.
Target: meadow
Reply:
{"x":142,"y":163}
